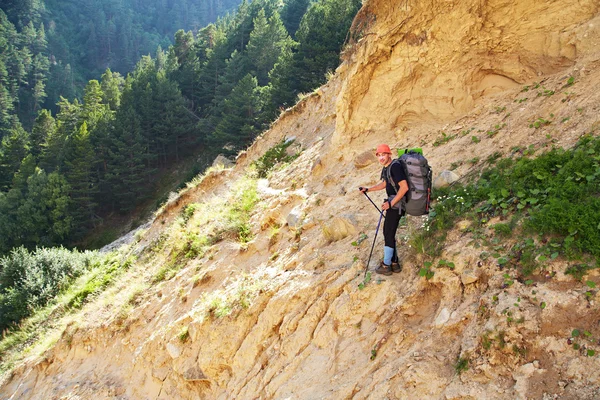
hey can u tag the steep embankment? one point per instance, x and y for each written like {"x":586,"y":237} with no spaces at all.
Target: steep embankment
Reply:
{"x":431,"y":74}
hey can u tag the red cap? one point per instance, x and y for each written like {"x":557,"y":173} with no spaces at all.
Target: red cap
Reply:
{"x":383,"y":148}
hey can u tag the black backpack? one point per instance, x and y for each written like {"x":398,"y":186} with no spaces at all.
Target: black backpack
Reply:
{"x":419,"y":178}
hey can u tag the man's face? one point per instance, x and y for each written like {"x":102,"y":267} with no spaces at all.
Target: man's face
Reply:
{"x":384,"y":158}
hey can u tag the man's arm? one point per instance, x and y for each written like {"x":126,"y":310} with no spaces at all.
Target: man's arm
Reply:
{"x":379,"y":186}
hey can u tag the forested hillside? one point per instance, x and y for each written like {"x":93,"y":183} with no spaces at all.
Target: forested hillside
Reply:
{"x":214,"y":90}
{"x":79,"y":40}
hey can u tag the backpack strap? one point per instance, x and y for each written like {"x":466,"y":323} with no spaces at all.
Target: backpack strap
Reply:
{"x":388,"y":172}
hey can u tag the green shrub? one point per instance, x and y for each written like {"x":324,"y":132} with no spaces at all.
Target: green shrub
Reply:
{"x":188,"y":211}
{"x":558,"y":191}
{"x":31,"y":279}
{"x":462,"y":365}
{"x":502,"y":229}
{"x":275,"y":155}
{"x":237,"y":216}
{"x":578,"y":271}
{"x":556,"y":196}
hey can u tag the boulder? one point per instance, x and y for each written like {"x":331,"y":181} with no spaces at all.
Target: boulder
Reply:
{"x":222,"y":161}
{"x":469,"y":276}
{"x":294,"y":218}
{"x":173,"y":350}
{"x":194,"y":374}
{"x":445,"y":178}
{"x":442,"y":318}
{"x":337,"y":229}
{"x":364,"y":159}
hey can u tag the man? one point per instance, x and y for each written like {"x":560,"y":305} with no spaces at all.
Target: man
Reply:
{"x":393,"y":180}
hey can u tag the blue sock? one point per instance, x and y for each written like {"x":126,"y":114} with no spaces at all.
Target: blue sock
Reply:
{"x":388,"y":253}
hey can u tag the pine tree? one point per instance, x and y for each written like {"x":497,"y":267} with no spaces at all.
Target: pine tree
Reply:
{"x":29,"y":222}
{"x":292,"y":13}
{"x":282,"y":88}
{"x":236,"y":68}
{"x":7,"y":224}
{"x":174,"y":122}
{"x":111,"y":86}
{"x":40,"y":45}
{"x":37,"y":212}
{"x":186,"y":66}
{"x":67,"y":123}
{"x":13,"y":150}
{"x":322,"y":32}
{"x":267,"y":42}
{"x":238,"y":125}
{"x":58,"y":205}
{"x":79,"y":167}
{"x":127,"y":173}
{"x":45,"y":213}
{"x":26,"y":169}
{"x":6,"y":102}
{"x":39,"y":73}
{"x":93,"y":108}
{"x":29,"y":36}
{"x":43,"y":127}
{"x":212,"y":70}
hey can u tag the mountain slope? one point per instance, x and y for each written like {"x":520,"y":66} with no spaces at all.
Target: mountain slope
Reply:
{"x":281,"y":315}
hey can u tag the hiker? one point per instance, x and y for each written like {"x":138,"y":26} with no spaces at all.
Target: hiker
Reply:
{"x":393,"y":180}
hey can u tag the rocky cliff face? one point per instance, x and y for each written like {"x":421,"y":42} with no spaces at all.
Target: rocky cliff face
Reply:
{"x":415,"y":73}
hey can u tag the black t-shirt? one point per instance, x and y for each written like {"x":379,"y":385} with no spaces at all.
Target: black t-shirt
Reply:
{"x":397,"y":174}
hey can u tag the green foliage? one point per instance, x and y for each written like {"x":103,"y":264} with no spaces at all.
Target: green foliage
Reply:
{"x":238,"y":216}
{"x":292,"y":13}
{"x":38,"y":212}
{"x":462,"y":365}
{"x":188,"y":211}
{"x":492,"y":132}
{"x":557,"y":191}
{"x":591,"y":284}
{"x":320,"y":36}
{"x":31,"y":280}
{"x":97,"y":280}
{"x":504,"y":230}
{"x":365,"y":281}
{"x":446,"y":264}
{"x":215,"y":90}
{"x":444,"y":139}
{"x":427,"y":271}
{"x":373,"y":352}
{"x":239,"y":123}
{"x":540,"y":122}
{"x":101,"y":272}
{"x":183,"y":334}
{"x":554,"y":197}
{"x":268,"y":40}
{"x":578,"y":271}
{"x":274,"y":156}
{"x":486,"y":341}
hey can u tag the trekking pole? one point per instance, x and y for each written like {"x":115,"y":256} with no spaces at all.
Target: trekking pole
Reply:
{"x":374,"y":205}
{"x":374,"y":239}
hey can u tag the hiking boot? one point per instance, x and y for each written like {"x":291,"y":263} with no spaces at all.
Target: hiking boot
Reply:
{"x":384,"y":269}
{"x":396,"y":267}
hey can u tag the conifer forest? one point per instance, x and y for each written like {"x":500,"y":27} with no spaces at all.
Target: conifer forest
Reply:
{"x":99,"y":97}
